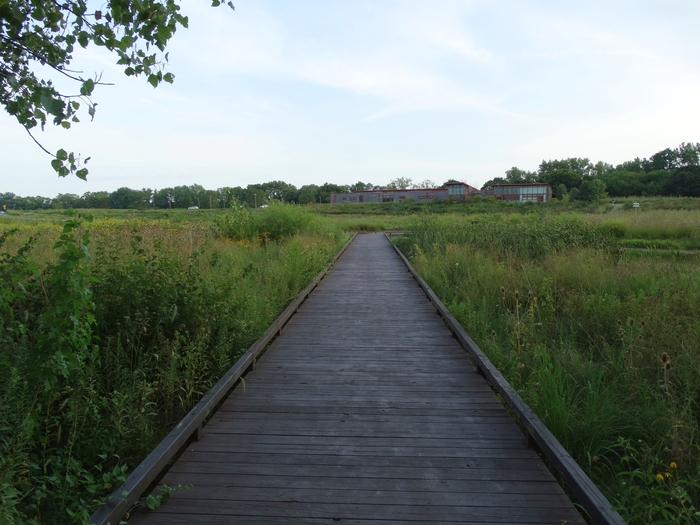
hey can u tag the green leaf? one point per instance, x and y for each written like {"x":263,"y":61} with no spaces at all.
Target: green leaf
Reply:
{"x":82,"y":173}
{"x":56,"y":164}
{"x":169,"y":77}
{"x":153,"y":80}
{"x":51,"y":104}
{"x":65,"y":125}
{"x":87,"y":87}
{"x":61,"y":154}
{"x":83,"y":38}
{"x":125,"y":43}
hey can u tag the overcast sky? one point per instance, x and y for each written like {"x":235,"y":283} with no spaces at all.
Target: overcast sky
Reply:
{"x":341,"y":91}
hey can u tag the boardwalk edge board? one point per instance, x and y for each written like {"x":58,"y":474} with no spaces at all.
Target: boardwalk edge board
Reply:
{"x":537,"y":434}
{"x":190,"y":427}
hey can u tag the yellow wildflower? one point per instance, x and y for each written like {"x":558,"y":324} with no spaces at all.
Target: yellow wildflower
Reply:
{"x":668,"y":474}
{"x":673,"y":464}
{"x":660,"y":477}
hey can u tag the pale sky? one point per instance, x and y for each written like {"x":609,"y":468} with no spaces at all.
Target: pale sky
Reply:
{"x":342,"y":91}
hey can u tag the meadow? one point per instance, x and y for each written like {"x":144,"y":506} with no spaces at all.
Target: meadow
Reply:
{"x":112,"y":328}
{"x":602,"y":341}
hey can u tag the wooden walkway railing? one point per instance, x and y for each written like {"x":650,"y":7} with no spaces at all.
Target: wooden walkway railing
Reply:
{"x":365,"y":410}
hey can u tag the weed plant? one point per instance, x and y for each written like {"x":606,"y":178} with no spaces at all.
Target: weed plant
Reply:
{"x":111,"y":331}
{"x":603,"y":346}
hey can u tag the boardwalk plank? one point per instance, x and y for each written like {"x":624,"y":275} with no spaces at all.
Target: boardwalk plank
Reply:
{"x":365,"y":411}
{"x":503,"y":488}
{"x":341,"y":511}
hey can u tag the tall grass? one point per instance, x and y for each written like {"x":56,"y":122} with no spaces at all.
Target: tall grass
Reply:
{"x":604,"y":347}
{"x":511,"y":235}
{"x":110,"y":337}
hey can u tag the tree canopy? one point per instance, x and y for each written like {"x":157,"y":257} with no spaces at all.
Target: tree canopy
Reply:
{"x":671,"y":171}
{"x":37,"y":42}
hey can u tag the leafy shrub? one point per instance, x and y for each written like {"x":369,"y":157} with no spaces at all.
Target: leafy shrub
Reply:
{"x":281,"y":220}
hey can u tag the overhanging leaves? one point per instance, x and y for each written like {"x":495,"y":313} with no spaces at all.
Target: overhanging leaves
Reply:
{"x":40,"y":32}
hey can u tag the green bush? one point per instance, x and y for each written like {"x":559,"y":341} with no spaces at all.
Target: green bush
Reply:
{"x":280,"y":220}
{"x":277,"y":221}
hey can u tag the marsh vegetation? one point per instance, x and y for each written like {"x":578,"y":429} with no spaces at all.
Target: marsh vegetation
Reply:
{"x":602,"y":342}
{"x":112,"y":329}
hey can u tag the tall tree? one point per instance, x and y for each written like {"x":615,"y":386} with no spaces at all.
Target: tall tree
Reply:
{"x":281,"y":191}
{"x":516,"y":175}
{"x":228,"y":196}
{"x":591,"y":189}
{"x":495,"y":180}
{"x":400,"y":183}
{"x":582,"y":166}
{"x":36,"y":33}
{"x":97,"y":199}
{"x":309,"y":193}
{"x":164,"y":198}
{"x":362,"y":186}
{"x":125,"y":198}
{"x":684,"y":182}
{"x":67,"y":200}
{"x":635,"y":166}
{"x":568,"y":177}
{"x":689,"y":154}
{"x":622,"y":183}
{"x":424,"y":185}
{"x":326,"y":190}
{"x":255,"y":195}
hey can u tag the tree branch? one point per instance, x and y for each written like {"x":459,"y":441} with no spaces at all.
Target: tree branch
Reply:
{"x":39,"y":144}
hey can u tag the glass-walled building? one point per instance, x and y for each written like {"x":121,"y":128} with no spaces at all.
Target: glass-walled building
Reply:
{"x":450,"y":190}
{"x":526,"y":191}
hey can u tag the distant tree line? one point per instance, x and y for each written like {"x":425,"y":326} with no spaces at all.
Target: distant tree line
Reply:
{"x":669,"y":172}
{"x":185,"y":196}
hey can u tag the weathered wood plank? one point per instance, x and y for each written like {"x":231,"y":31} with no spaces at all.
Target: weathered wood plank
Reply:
{"x":365,"y":410}
{"x":375,"y":497}
{"x":502,"y":488}
{"x":340,"y":511}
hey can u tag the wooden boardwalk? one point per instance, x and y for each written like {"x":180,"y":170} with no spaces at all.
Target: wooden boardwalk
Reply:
{"x":364,"y":411}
